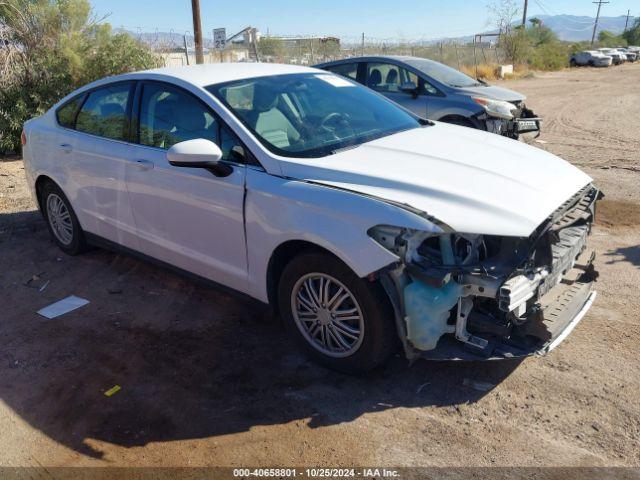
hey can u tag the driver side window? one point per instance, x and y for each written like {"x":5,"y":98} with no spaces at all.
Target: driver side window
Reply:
{"x":388,"y":78}
{"x":169,"y":116}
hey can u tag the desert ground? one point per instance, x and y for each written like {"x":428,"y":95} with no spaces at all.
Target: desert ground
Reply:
{"x":211,"y":380}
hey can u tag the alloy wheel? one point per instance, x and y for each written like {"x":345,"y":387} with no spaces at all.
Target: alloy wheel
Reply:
{"x":327,"y":314}
{"x":59,"y":219}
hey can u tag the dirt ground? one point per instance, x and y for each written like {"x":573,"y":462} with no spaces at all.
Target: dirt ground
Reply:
{"x":209,"y":380}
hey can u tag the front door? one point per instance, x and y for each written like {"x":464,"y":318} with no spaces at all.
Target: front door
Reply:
{"x":388,"y":78}
{"x":187,"y":217}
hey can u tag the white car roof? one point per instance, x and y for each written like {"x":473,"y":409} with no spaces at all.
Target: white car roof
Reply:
{"x":209,"y":74}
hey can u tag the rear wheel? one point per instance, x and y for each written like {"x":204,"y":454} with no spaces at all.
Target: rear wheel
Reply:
{"x":61,"y":220}
{"x":340,"y":320}
{"x":572,"y":63}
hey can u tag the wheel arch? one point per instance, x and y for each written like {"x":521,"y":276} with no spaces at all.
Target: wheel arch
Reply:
{"x":41,"y":181}
{"x":279,"y":259}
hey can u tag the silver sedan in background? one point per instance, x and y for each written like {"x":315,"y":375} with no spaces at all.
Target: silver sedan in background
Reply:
{"x":438,"y":92}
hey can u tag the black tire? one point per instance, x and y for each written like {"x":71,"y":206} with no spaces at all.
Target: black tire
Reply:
{"x":462,"y":122}
{"x":77,"y":243}
{"x":379,"y":338}
{"x":572,"y":63}
{"x":592,"y":63}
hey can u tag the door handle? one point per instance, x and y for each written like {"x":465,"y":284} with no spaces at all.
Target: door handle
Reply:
{"x":65,"y":147}
{"x":143,"y":165}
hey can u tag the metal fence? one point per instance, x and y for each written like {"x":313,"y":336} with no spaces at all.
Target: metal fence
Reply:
{"x":312,"y":50}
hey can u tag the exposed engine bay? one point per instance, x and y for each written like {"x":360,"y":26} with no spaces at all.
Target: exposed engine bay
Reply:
{"x":461,"y":296}
{"x":522,"y":122}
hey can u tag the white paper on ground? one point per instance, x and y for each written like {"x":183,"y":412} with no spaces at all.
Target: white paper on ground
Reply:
{"x":63,"y":306}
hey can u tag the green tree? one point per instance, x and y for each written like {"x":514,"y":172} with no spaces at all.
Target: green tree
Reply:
{"x":536,"y":22}
{"x":609,"y":39}
{"x":632,"y":35}
{"x":52,"y":47}
{"x":271,"y":47}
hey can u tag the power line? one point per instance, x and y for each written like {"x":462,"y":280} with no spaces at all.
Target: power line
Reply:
{"x":595,"y":25}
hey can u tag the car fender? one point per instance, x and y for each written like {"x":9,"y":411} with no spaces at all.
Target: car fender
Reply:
{"x":278,"y":210}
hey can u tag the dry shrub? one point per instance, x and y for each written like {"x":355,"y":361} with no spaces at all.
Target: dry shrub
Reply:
{"x":484,"y":71}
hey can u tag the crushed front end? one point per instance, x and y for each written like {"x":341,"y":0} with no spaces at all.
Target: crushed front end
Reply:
{"x":470,"y":297}
{"x":520,"y":123}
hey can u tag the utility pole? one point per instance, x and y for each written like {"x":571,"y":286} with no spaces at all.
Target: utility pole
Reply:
{"x":595,"y":25}
{"x":524,"y":13}
{"x":197,"y":30}
{"x":626,"y":23}
{"x":362,"y":47}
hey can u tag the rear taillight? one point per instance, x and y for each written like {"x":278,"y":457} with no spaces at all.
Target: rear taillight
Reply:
{"x":23,"y":138}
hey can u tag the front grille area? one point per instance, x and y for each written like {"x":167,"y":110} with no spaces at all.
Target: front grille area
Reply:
{"x":564,"y":239}
{"x":570,"y":244}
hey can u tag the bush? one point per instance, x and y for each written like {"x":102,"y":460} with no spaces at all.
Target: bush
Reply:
{"x":608,"y":39}
{"x":549,"y":57}
{"x":632,"y":35}
{"x":51,"y":47}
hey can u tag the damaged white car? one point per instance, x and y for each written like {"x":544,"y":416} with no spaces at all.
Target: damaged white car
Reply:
{"x":363,"y":225}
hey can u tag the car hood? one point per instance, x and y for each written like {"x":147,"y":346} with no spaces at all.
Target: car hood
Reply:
{"x":495,"y":93}
{"x":473,"y":181}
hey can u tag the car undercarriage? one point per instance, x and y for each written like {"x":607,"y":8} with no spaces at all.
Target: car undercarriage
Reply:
{"x":473,"y":297}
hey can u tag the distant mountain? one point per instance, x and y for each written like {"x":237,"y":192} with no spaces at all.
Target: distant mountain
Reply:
{"x":574,"y":28}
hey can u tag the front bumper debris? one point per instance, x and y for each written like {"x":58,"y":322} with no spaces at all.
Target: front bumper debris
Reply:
{"x":521,"y":297}
{"x":555,"y":316}
{"x":525,"y":125}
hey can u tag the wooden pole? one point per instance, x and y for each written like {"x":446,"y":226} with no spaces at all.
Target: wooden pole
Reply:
{"x":595,"y":25}
{"x":197,"y":30}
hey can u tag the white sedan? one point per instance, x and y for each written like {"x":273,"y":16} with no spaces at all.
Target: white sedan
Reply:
{"x":363,"y":225}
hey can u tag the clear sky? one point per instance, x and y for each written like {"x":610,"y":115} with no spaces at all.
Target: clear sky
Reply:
{"x":382,"y":19}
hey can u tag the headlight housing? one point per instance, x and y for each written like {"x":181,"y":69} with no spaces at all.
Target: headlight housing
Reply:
{"x":496,"y":108}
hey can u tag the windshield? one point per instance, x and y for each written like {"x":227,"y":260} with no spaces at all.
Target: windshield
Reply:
{"x":443,"y":74}
{"x":311,"y":115}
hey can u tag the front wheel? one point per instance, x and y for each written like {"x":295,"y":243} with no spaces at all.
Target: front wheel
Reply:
{"x":340,"y":320}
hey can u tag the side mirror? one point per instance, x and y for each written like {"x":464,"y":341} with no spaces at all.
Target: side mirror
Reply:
{"x":409,"y":87}
{"x":198,"y":153}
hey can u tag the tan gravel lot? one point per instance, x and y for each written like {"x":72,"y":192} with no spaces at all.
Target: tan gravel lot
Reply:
{"x":208,"y":379}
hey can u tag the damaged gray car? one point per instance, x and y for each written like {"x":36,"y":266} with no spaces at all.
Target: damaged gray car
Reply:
{"x":435,"y":91}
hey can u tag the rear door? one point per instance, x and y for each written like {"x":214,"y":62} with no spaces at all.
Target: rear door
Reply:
{"x":187,"y":217}
{"x":99,"y":151}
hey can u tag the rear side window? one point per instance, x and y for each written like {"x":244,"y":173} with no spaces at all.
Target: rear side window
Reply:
{"x":66,"y":114}
{"x":349,"y":70}
{"x":104,"y":112}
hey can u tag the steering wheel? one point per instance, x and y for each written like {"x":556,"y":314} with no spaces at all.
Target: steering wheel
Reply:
{"x":335,"y":121}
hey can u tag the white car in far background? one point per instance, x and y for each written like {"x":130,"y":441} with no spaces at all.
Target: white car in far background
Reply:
{"x":362,"y":224}
{"x":631,"y":55}
{"x":618,"y":57}
{"x":592,"y":58}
